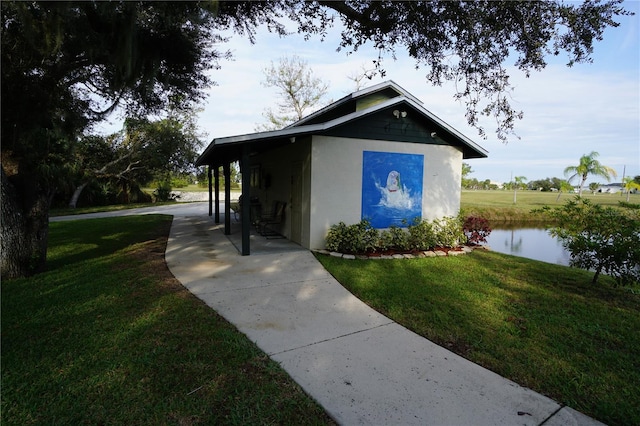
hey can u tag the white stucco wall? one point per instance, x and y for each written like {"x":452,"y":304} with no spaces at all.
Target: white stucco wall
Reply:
{"x":336,"y":181}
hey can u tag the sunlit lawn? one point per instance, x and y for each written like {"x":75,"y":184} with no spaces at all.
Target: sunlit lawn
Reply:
{"x":542,"y":325}
{"x":108,"y":336}
{"x":498,"y":205}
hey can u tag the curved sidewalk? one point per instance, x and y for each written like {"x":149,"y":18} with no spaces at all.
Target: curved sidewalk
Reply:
{"x":359,"y":365}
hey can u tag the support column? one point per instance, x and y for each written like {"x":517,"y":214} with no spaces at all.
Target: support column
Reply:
{"x":217,"y":198}
{"x":246,"y":200}
{"x":226,"y":170}
{"x":210,"y":189}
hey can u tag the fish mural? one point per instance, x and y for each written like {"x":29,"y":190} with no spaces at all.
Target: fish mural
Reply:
{"x":391,"y":188}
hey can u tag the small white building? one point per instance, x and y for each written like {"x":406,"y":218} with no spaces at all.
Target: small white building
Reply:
{"x":612,"y":188}
{"x":377,"y":154}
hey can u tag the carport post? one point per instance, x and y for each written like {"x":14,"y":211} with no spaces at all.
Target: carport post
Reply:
{"x":210,"y":190}
{"x":217,"y":189}
{"x":246,"y":201}
{"x":226,"y":170}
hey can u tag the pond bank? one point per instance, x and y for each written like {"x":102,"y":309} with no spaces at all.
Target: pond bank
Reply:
{"x":504,"y":215}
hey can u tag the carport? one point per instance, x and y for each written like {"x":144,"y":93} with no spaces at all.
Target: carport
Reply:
{"x":224,"y":151}
{"x":328,"y":167}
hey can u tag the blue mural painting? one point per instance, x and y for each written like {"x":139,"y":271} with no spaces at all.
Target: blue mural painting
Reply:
{"x":391,"y":188}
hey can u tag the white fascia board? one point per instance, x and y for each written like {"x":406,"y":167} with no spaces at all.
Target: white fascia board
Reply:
{"x":355,"y":95}
{"x":450,"y":129}
{"x":320,"y":127}
{"x":386,"y":84}
{"x":274,"y":134}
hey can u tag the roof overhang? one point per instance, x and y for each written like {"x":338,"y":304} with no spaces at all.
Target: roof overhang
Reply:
{"x":227,"y":149}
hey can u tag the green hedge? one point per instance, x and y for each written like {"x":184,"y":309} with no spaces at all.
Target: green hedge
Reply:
{"x":420,"y":235}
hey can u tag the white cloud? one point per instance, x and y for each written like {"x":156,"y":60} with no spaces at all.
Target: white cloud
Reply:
{"x":567,"y":111}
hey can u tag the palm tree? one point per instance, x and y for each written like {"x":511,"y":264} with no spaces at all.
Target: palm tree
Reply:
{"x":629,"y":183}
{"x":589,"y":166}
{"x":564,"y":187}
{"x":518,"y":183}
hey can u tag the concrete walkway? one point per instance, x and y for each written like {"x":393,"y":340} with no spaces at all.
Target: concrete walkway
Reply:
{"x":359,"y":365}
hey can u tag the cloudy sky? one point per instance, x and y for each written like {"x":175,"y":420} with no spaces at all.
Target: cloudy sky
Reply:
{"x":568,"y":112}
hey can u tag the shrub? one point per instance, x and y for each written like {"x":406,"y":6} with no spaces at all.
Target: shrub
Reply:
{"x":394,"y":238}
{"x":163,"y":191}
{"x":357,"y":238}
{"x":476,"y":229}
{"x":335,"y":240}
{"x":599,"y":238}
{"x":421,"y":235}
{"x":448,"y":231}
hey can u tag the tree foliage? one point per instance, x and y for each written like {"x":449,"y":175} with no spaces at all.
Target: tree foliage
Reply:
{"x":144,"y":150}
{"x":297,"y":88}
{"x":471,"y":42}
{"x":589,"y":165}
{"x":464,"y":175}
{"x":630,"y":184}
{"x":602,"y":239}
{"x":518,"y":183}
{"x":67,"y":65}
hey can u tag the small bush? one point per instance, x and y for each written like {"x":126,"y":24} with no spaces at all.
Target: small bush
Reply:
{"x":336,"y":236}
{"x":421,"y":235}
{"x":394,"y":238}
{"x":357,"y":238}
{"x":476,"y":229}
{"x":448,"y":231}
{"x":163,"y":191}
{"x":599,"y":238}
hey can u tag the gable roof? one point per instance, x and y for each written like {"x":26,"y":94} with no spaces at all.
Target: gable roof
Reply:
{"x":341,"y":118}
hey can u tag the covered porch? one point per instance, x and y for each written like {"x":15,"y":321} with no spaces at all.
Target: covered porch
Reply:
{"x":239,"y":225}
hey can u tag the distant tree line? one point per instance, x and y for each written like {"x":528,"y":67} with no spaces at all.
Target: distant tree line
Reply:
{"x":588,"y":165}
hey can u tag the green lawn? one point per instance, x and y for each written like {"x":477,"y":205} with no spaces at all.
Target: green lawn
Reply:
{"x":498,"y":206}
{"x":542,"y":325}
{"x":108,"y":336}
{"x":111,"y":208}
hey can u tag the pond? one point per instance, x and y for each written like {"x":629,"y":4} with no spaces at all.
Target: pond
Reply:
{"x":532,"y":243}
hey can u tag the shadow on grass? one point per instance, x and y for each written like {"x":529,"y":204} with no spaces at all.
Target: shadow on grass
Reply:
{"x":542,"y":325}
{"x":108,"y":336}
{"x":98,"y":237}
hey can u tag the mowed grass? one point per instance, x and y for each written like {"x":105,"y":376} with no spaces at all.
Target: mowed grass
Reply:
{"x":108,"y":336}
{"x":542,"y":325}
{"x":498,"y":206}
{"x":67,"y":211}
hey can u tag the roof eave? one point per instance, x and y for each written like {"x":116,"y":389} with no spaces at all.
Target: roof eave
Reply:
{"x":470,"y":148}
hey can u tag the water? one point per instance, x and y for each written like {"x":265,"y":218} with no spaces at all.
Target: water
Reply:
{"x":532,"y":243}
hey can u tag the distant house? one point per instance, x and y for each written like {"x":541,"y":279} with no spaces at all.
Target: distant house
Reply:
{"x":377,"y":154}
{"x":611,"y":188}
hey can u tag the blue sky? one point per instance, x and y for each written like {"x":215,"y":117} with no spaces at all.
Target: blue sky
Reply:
{"x":568,"y":112}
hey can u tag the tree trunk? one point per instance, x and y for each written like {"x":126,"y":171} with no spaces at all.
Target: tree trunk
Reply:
{"x":584,"y":179}
{"x":24,"y":229}
{"x":76,"y":195}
